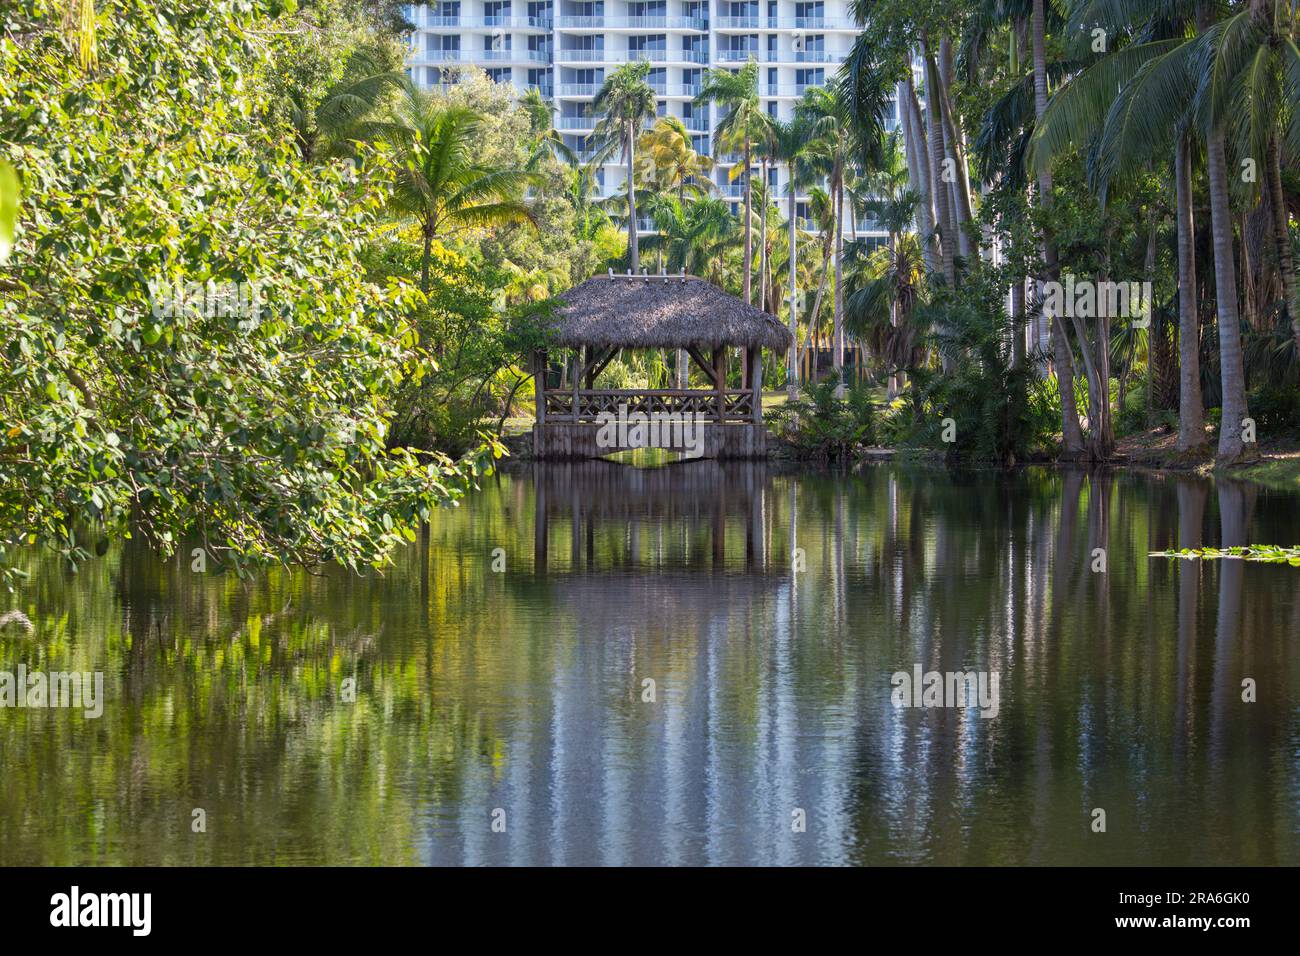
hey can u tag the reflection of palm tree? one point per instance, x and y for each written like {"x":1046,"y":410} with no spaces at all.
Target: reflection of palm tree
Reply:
{"x":1191,"y":515}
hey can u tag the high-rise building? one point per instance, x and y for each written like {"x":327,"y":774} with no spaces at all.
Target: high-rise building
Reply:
{"x":564,"y":48}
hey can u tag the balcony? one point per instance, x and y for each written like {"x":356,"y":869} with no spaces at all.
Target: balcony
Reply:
{"x":576,"y":122}
{"x":698,"y":24}
{"x":786,"y":89}
{"x":631,"y":56}
{"x":427,"y":57}
{"x":812,"y":23}
{"x":807,"y":56}
{"x":749,"y":24}
{"x":429,"y":21}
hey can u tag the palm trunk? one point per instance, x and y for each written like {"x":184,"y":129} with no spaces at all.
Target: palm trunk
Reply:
{"x":1232,"y":371}
{"x":792,"y":378}
{"x":1018,"y":323}
{"x":961,"y":195}
{"x":918,"y":167}
{"x":947,"y":240}
{"x":1282,"y":237}
{"x":837,"y":335}
{"x":1071,"y":434}
{"x":817,"y":306}
{"x":424,"y":259}
{"x":633,"y":252}
{"x":1191,"y":415}
{"x":762,"y":243}
{"x":749,"y":248}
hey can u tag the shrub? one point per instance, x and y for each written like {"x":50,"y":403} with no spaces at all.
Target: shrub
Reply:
{"x":820,"y":426}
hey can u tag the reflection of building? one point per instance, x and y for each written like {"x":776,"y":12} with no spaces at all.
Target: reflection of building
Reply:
{"x":565,"y":48}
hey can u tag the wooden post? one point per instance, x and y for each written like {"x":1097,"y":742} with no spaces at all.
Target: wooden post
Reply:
{"x":539,"y":399}
{"x":539,"y":384}
{"x":719,"y":362}
{"x":756,"y":381}
{"x":577,"y":378}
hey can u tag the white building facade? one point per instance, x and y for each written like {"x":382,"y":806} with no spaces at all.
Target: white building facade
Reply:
{"x":565,"y":48}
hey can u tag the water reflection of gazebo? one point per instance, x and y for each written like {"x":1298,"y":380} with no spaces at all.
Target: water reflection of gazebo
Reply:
{"x":609,"y":313}
{"x":700,"y":494}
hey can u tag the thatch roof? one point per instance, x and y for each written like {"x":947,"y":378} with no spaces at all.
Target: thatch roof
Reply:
{"x":623,"y":311}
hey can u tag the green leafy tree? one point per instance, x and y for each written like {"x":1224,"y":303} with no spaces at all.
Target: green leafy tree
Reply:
{"x":191,"y":349}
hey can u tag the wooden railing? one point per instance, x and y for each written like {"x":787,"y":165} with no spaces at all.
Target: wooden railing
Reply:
{"x":736,"y":404}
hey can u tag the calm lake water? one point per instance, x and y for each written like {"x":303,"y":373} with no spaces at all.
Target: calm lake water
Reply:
{"x":519,"y":695}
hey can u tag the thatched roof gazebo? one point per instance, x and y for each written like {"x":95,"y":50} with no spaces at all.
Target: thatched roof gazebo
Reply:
{"x":612,"y":312}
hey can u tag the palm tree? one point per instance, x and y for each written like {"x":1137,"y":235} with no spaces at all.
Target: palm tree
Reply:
{"x":1071,"y":433}
{"x":347,"y":110}
{"x":1152,"y":94}
{"x":744,"y":121}
{"x":825,"y":111}
{"x":440,"y":182}
{"x":626,"y":101}
{"x":824,"y":215}
{"x":669,"y":162}
{"x":693,"y":234}
{"x":541,"y":125}
{"x":789,"y":141}
{"x":887,"y":286}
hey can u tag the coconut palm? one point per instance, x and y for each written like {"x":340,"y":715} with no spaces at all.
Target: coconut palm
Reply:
{"x":789,"y":140}
{"x":692,"y":235}
{"x":824,"y":216}
{"x":348,"y":111}
{"x":626,"y":101}
{"x":1153,"y":94}
{"x":441,"y":183}
{"x":886,"y":287}
{"x":1062,"y":356}
{"x":668,"y":162}
{"x":831,"y":137}
{"x":545,"y":137}
{"x":743,"y":122}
